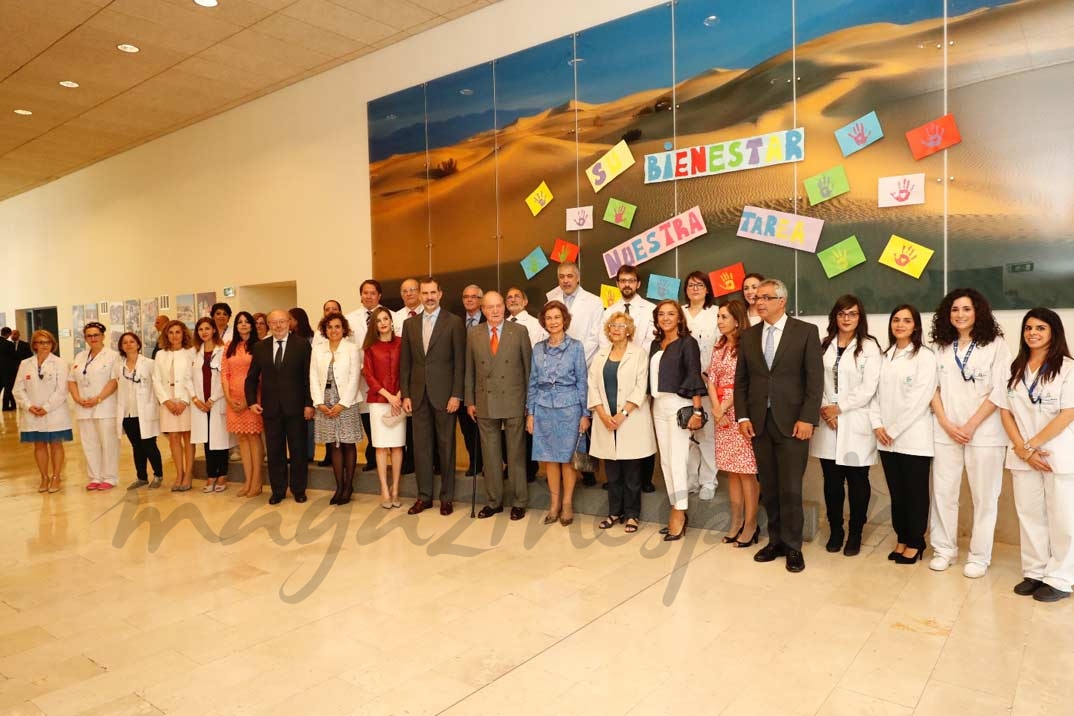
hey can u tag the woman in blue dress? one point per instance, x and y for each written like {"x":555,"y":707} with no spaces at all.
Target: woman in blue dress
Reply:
{"x":556,"y":407}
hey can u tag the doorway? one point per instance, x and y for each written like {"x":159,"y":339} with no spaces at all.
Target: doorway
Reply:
{"x":28,"y":320}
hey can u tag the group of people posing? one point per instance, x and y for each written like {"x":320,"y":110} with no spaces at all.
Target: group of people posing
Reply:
{"x":736,"y":386}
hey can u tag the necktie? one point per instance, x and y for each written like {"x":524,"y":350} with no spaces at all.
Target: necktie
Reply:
{"x":413,"y":313}
{"x":626,"y":307}
{"x":494,"y":342}
{"x":426,"y":331}
{"x":770,"y":346}
{"x":568,"y":300}
{"x":513,"y":319}
{"x":368,"y":315}
{"x":278,"y":360}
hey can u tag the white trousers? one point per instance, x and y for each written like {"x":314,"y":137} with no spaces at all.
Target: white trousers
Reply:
{"x":100,"y":445}
{"x":674,"y":444}
{"x":701,"y":466}
{"x":1045,"y":505}
{"x":984,"y":472}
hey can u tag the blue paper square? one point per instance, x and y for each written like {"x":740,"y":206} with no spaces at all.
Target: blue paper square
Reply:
{"x":662,"y":287}
{"x":534,"y":262}
{"x":859,"y":134}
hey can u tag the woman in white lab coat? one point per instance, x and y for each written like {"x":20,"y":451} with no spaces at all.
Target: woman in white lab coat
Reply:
{"x":139,"y":413}
{"x":208,"y":419}
{"x":1037,"y":411}
{"x":93,"y":387}
{"x":903,"y":428}
{"x":972,"y":359}
{"x":335,"y":367}
{"x":175,"y":391}
{"x":844,"y":440}
{"x":40,"y":393}
{"x":700,"y":309}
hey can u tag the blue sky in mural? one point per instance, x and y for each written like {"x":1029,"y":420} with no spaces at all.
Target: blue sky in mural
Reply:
{"x":535,"y":79}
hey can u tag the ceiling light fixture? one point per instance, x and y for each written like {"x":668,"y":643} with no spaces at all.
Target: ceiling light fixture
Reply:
{"x":466,"y":91}
{"x":70,"y":84}
{"x":710,"y":21}
{"x":206,"y":3}
{"x":131,"y":49}
{"x":23,"y":112}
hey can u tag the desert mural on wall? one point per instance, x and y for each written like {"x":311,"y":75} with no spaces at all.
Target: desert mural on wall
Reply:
{"x":452,"y":161}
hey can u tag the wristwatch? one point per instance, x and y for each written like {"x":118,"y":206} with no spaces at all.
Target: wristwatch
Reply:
{"x":1027,"y":447}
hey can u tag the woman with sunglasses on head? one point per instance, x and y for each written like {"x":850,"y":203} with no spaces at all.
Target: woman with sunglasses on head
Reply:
{"x":40,"y":393}
{"x":701,"y":318}
{"x":208,"y":421}
{"x":243,"y":423}
{"x":972,"y":361}
{"x":1037,"y":411}
{"x":844,"y":440}
{"x":93,"y":387}
{"x":174,"y":386}
{"x":139,"y":412}
{"x":903,"y":428}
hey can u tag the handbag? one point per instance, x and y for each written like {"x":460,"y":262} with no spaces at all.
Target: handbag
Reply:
{"x":682,"y":417}
{"x":581,"y":460}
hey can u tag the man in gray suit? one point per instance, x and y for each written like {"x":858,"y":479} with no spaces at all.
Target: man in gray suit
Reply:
{"x":497,"y":373}
{"x":431,"y":364}
{"x":778,"y":385}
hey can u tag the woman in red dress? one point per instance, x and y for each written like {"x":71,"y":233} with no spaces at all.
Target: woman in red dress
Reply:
{"x":243,"y":422}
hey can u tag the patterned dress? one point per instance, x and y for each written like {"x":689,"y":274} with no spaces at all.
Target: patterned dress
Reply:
{"x":556,"y":398}
{"x":234,"y":372}
{"x":345,"y":427}
{"x":734,"y":453}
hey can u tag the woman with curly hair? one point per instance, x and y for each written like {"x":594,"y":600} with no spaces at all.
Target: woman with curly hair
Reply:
{"x":972,"y":361}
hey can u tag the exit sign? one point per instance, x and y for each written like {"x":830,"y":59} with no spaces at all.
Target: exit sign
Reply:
{"x":1024,"y":267}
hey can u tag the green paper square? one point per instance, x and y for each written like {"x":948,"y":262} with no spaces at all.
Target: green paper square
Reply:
{"x":620,"y":213}
{"x":841,"y":257}
{"x":826,"y":185}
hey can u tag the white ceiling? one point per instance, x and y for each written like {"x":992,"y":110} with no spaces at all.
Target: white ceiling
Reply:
{"x":194,"y":62}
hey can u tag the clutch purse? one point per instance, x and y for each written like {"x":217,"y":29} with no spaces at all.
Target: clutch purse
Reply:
{"x":685,"y":413}
{"x":581,"y":460}
{"x":392,"y":420}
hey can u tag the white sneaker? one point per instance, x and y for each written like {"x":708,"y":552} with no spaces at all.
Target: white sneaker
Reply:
{"x":974,"y":570}
{"x":707,"y":492}
{"x":939,"y":564}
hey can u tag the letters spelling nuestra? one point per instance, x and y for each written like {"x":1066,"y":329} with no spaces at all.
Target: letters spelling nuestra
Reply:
{"x":656,"y":241}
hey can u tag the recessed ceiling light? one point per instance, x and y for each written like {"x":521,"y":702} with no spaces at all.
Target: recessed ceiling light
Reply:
{"x":466,"y":91}
{"x":206,"y":3}
{"x":127,"y":48}
{"x":70,"y":84}
{"x":23,"y":112}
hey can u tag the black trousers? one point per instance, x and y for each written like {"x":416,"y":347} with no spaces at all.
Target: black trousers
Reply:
{"x":8,"y":379}
{"x":286,"y":434}
{"x":624,"y":487}
{"x":370,"y":451}
{"x":434,"y":431}
{"x":781,"y":463}
{"x":145,"y":450}
{"x":471,"y":437}
{"x":908,"y":484}
{"x":408,"y":448}
{"x":216,"y":462}
{"x":858,"y":492}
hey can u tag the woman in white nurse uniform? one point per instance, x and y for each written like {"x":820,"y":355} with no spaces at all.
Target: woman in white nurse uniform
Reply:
{"x":1037,"y":410}
{"x":971,"y":360}
{"x":41,"y":393}
{"x":92,"y":384}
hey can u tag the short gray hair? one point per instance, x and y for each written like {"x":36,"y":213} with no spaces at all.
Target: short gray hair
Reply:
{"x":778,"y":286}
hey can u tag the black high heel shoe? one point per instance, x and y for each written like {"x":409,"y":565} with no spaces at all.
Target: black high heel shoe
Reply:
{"x":752,"y":541}
{"x":674,"y":538}
{"x":903,"y":559}
{"x":728,"y":539}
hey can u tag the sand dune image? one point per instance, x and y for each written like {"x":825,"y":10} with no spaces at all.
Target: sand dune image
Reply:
{"x":1007,"y":67}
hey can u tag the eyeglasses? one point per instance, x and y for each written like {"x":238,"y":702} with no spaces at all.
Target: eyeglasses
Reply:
{"x":627,"y":280}
{"x":93,"y":335}
{"x":762,"y":297}
{"x":695,"y":284}
{"x":848,"y":314}
{"x":618,"y":326}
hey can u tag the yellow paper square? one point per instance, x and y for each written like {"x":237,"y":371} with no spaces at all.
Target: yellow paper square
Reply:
{"x":906,"y":256}
{"x":539,"y":199}
{"x":609,"y":294}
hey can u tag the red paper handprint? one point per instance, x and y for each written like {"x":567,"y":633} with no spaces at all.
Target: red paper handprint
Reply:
{"x":905,"y":256}
{"x":904,"y":190}
{"x":620,"y":212}
{"x":859,"y":134}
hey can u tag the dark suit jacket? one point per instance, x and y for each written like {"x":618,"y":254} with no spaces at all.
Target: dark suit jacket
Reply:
{"x":496,"y":384}
{"x":7,"y":357}
{"x":285,"y":391}
{"x":794,"y":384}
{"x":438,"y":373}
{"x":22,"y":352}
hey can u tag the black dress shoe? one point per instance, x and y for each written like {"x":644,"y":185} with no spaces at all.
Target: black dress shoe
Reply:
{"x":648,"y":487}
{"x":275,"y":500}
{"x":1048,"y":593}
{"x":1027,"y":587}
{"x":795,"y":561}
{"x":418,"y":507}
{"x":301,"y":498}
{"x":517,"y":513}
{"x":770,"y":552}
{"x":446,"y":508}
{"x":487,"y":512}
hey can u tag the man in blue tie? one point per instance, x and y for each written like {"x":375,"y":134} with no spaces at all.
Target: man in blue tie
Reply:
{"x":778,"y":385}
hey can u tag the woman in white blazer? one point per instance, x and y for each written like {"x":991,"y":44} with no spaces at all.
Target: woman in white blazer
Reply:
{"x":335,"y":369}
{"x":208,"y":420}
{"x":40,"y":393}
{"x":139,"y":412}
{"x":93,"y":388}
{"x":174,"y":387}
{"x":622,"y":432}
{"x":844,"y":440}
{"x":902,"y":424}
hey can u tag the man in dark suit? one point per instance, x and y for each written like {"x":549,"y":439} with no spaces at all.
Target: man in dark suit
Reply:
{"x":8,"y":367}
{"x":778,"y":385}
{"x":432,"y":359}
{"x":280,"y":367}
{"x":472,"y":296}
{"x":497,"y":373}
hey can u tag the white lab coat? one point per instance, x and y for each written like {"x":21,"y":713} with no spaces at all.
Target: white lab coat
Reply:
{"x":213,"y":428}
{"x":172,"y":376}
{"x":1055,"y":395}
{"x":990,"y":367}
{"x":401,"y":315}
{"x":92,"y":376}
{"x":641,"y":312}
{"x":586,"y":311}
{"x":523,"y":318}
{"x":141,"y":382}
{"x":47,"y":390}
{"x":703,"y":329}
{"x":901,"y":405}
{"x":852,"y":443}
{"x":347,"y":369}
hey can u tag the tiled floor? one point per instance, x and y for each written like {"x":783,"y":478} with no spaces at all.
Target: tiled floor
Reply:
{"x":241,"y":608}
